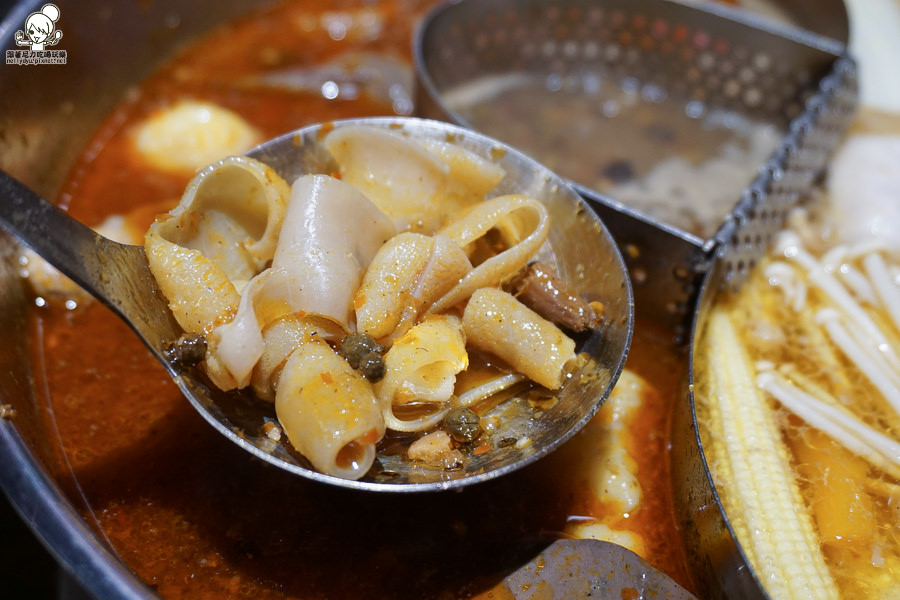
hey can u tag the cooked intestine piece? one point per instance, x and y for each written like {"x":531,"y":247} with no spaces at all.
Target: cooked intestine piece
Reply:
{"x":419,"y":189}
{"x":224,"y":229}
{"x":328,"y":410}
{"x":523,"y":223}
{"x":421,"y":368}
{"x":474,"y":173}
{"x":280,"y":337}
{"x":408,"y":273}
{"x":494,"y":321}
{"x":191,"y":134}
{"x":200,"y":295}
{"x":388,"y":282}
{"x":232,"y":212}
{"x":330,"y":234}
{"x":446,"y":267}
{"x":601,"y":463}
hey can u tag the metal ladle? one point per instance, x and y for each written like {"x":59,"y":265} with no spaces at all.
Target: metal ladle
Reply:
{"x":579,"y":245}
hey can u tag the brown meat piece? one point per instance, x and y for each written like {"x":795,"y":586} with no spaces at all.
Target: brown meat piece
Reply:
{"x":541,"y":290}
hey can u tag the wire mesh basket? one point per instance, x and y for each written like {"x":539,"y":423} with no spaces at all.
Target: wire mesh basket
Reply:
{"x":680,"y":71}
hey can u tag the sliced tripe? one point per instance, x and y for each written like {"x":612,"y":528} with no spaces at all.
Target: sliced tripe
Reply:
{"x":331,"y":233}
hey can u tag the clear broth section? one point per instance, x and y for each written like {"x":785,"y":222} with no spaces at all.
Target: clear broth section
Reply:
{"x":679,"y":162}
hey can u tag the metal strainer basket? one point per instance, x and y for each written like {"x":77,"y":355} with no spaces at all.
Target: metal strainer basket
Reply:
{"x":702,"y":60}
{"x":705,"y":57}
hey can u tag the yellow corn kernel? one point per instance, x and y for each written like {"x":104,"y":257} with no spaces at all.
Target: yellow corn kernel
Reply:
{"x":757,"y":486}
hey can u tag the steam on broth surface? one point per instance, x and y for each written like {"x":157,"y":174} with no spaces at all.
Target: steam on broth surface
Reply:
{"x":194,"y":516}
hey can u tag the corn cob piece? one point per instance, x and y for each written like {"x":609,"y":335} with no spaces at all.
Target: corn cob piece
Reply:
{"x":757,"y":486}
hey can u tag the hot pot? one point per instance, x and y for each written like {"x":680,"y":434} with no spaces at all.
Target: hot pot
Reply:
{"x":676,"y":273}
{"x":110,"y":48}
{"x":47,"y":114}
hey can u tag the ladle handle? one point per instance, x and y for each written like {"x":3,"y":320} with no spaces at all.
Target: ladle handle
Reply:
{"x":116,"y":274}
{"x":58,"y":238}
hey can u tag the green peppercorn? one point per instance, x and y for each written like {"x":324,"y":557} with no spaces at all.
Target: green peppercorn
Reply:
{"x":463,"y":424}
{"x":357,"y":345}
{"x":188,"y":350}
{"x":371,"y":365}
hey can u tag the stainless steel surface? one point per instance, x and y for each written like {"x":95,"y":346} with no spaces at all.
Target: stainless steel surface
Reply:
{"x":665,"y":264}
{"x":464,"y":40}
{"x":45,"y":121}
{"x":587,"y":569}
{"x":118,"y":275}
{"x":772,"y":72}
{"x":789,"y":174}
{"x":828,"y":18}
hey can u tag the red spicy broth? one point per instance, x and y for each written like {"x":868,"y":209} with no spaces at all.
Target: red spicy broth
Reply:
{"x":195,"y":516}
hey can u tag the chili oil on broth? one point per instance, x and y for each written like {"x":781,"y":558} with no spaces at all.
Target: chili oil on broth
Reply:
{"x":194,"y":515}
{"x":294,"y":38}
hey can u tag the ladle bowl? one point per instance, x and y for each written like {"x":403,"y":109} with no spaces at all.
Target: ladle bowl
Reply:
{"x":579,"y":246}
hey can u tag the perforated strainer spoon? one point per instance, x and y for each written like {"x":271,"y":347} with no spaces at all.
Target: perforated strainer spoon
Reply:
{"x":579,"y":244}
